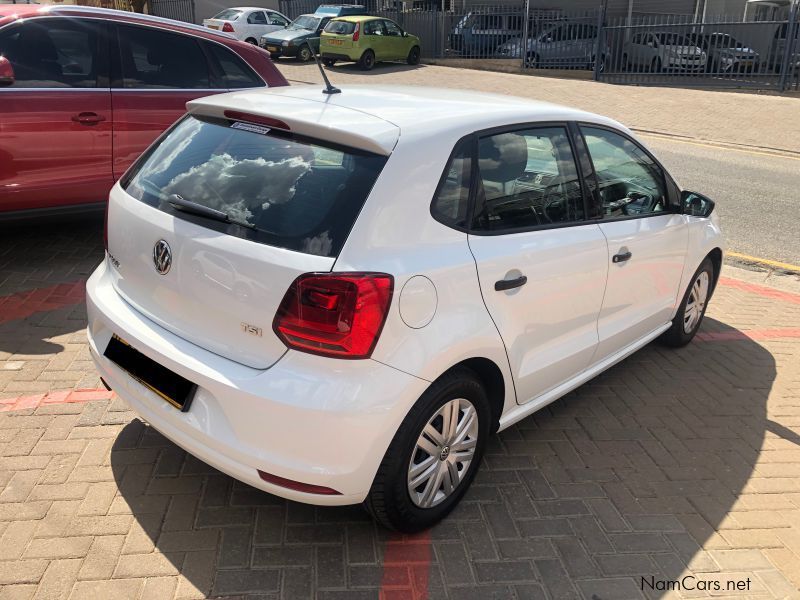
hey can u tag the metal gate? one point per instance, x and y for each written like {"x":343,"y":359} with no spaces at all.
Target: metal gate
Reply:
{"x":180,"y":10}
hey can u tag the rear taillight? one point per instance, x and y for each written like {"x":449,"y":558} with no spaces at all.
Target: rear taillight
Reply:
{"x":334,"y":314}
{"x":299,"y":486}
{"x":227,"y":27}
{"x":356,"y":32}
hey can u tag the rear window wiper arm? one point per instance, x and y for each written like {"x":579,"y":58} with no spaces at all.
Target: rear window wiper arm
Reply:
{"x":180,"y":203}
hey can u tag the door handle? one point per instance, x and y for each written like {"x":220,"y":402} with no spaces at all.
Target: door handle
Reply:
{"x":510,"y":284}
{"x":88,"y":118}
{"x":622,"y":257}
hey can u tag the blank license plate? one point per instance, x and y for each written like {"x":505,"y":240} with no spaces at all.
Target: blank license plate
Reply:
{"x":272,"y":48}
{"x":170,"y":386}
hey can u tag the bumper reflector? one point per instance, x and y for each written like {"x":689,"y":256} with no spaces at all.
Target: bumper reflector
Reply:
{"x":298,"y":486}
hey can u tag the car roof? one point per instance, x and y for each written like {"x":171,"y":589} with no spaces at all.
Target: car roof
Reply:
{"x":12,"y":12}
{"x":374,"y":117}
{"x":358,"y":18}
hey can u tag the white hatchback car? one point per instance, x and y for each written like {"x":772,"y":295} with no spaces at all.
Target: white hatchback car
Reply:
{"x":246,"y":23}
{"x":338,"y":299}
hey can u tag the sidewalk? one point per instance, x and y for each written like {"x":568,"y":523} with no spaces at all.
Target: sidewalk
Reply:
{"x":745,"y":119}
{"x":674,"y":463}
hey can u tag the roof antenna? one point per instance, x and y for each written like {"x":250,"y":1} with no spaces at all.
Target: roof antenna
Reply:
{"x":329,"y":89}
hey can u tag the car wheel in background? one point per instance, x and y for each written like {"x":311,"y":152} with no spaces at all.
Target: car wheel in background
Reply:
{"x":367,"y":60}
{"x":532,"y":61}
{"x":252,"y":41}
{"x":413,"y":56}
{"x":656,"y":66}
{"x":328,"y":62}
{"x":434,"y":455}
{"x":693,"y":308}
{"x":602,"y":63}
{"x":305,"y":54}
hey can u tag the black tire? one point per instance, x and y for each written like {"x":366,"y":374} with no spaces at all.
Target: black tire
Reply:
{"x":389,"y":501}
{"x":413,"y":56}
{"x":532,"y":61}
{"x":305,"y":53}
{"x":677,"y":335}
{"x":328,"y":62}
{"x":367,"y":60}
{"x":252,"y":41}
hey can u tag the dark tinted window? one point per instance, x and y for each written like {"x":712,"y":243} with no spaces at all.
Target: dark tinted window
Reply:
{"x":235,"y":72}
{"x":52,"y":53}
{"x":153,"y":58}
{"x":374,"y":27}
{"x":451,"y":202}
{"x":276,"y":19}
{"x":290,"y":192}
{"x":340,"y":27}
{"x":527,"y":178}
{"x":392,"y":28}
{"x":257,"y":18}
{"x":629,"y":182}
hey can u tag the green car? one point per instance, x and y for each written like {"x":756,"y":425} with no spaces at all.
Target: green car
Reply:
{"x":300,"y":39}
{"x":366,"y":40}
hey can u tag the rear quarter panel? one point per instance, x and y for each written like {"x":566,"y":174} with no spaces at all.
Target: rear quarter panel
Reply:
{"x":395,"y":233}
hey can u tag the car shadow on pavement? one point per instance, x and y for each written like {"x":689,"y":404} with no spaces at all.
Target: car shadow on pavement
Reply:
{"x":625,"y":481}
{"x":44,"y":263}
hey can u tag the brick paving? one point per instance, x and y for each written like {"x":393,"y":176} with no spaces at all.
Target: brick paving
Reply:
{"x":756,"y":120}
{"x":672,"y":463}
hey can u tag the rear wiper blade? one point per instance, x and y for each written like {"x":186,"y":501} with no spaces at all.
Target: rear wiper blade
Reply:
{"x":180,"y":203}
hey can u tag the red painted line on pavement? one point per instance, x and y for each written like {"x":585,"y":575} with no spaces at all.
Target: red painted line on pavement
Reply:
{"x":749,"y":334}
{"x":25,"y":304}
{"x":761,"y":290}
{"x":406,"y":567}
{"x":61,"y":397}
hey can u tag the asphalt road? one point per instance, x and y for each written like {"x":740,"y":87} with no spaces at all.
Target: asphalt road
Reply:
{"x":757,"y":194}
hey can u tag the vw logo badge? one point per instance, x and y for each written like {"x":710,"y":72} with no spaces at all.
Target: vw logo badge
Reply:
{"x":162,"y":257}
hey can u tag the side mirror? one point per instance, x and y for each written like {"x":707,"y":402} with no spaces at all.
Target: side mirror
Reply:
{"x":696,"y":205}
{"x":6,"y":72}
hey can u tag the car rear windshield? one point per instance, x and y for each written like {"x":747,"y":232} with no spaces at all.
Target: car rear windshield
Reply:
{"x":340,"y":27}
{"x":274,"y":187}
{"x":229,"y":14}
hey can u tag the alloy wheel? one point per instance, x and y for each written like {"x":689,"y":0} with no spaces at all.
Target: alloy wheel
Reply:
{"x":696,"y":302}
{"x":443,"y":453}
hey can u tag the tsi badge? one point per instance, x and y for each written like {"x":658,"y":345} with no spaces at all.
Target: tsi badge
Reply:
{"x":162,"y":257}
{"x":251,"y":329}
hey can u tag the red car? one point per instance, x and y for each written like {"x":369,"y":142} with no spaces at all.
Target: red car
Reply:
{"x":83,"y":91}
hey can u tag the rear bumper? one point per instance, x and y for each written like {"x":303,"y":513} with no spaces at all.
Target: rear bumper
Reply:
{"x":339,"y":56}
{"x":314,"y":420}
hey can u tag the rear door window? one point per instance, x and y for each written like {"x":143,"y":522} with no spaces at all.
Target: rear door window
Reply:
{"x":153,"y":58}
{"x":276,"y":188}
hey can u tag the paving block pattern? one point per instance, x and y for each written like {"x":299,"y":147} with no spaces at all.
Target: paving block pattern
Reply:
{"x":673,"y":466}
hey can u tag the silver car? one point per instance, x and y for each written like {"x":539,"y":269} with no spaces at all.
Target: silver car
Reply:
{"x":663,"y":51}
{"x":566,"y":45}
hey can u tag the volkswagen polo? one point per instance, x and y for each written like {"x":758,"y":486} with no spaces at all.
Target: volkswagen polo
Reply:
{"x":339,"y":299}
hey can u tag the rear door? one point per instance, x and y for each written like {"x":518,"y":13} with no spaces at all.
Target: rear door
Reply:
{"x":647,"y":238}
{"x":55,"y":120}
{"x":542,"y":266}
{"x":156,"y":72}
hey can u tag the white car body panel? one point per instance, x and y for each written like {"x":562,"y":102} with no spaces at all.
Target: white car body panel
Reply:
{"x":549,"y":325}
{"x":327,"y":421}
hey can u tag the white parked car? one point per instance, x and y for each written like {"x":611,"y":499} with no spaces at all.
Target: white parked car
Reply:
{"x":663,"y":50}
{"x":247,"y":23}
{"x":422,"y":269}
